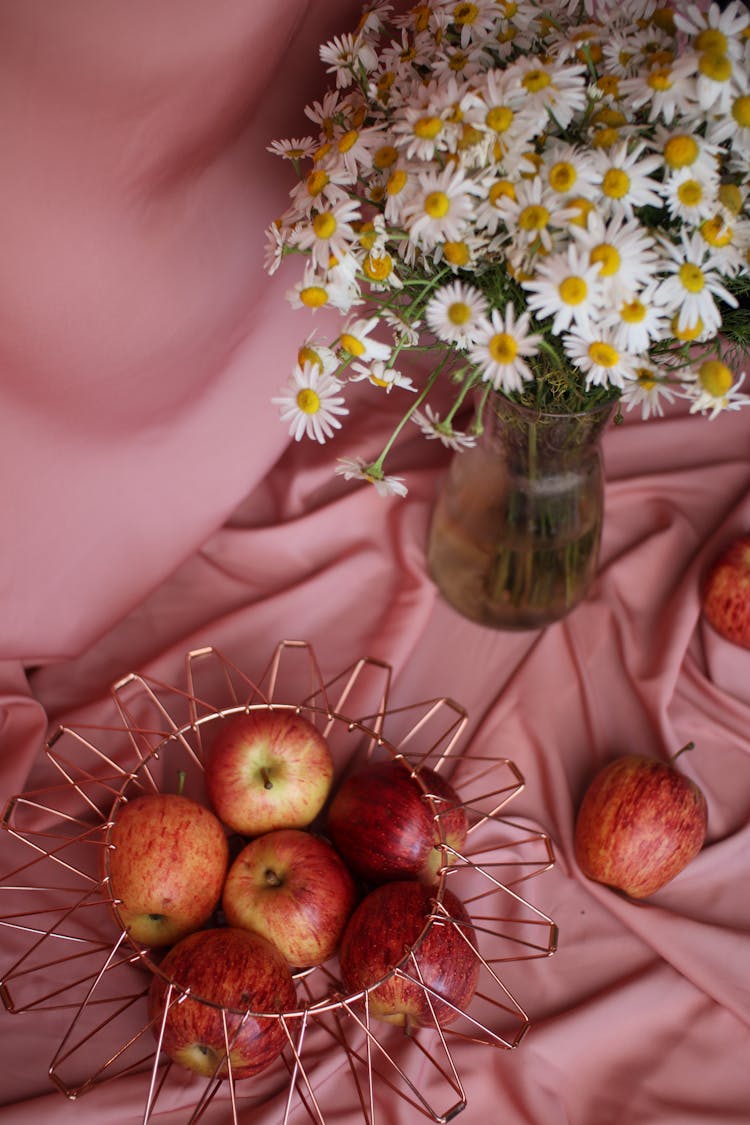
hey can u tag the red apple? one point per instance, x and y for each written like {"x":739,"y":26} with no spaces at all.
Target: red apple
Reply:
{"x":374,"y":955}
{"x":268,"y":768}
{"x":294,"y":889}
{"x":640,"y":823}
{"x":726,"y":592}
{"x":227,"y":973}
{"x":383,"y":823}
{"x":167,"y":861}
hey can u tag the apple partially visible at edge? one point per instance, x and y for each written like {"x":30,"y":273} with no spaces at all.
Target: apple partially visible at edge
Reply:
{"x":725,"y":593}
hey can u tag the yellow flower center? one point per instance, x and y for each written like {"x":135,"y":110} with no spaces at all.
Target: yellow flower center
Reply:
{"x":465,"y":13}
{"x":469,"y":136}
{"x":681,"y":151}
{"x":660,"y":78}
{"x":385,"y":84}
{"x":437,"y":204}
{"x":691,"y":277}
{"x":607,"y":257}
{"x":605,"y":138}
{"x":581,"y":208}
{"x":459,"y":313}
{"x":324,"y":225}
{"x":616,"y":183}
{"x":633,"y":312}
{"x":686,"y":334}
{"x":741,"y":111}
{"x":730,"y":195}
{"x":308,"y":401}
{"x":385,"y":156}
{"x":501,"y":189}
{"x":711,"y":39}
{"x":507,"y":34}
{"x":562,"y":176}
{"x":645,"y":377}
{"x":603,"y":354}
{"x":715,"y":377}
{"x":663,"y":18}
{"x":573,"y":290}
{"x":690,"y":193}
{"x":313,"y":296}
{"x":456,"y":253}
{"x":609,"y":84}
{"x":503,"y":348}
{"x":367,"y":235}
{"x":427,"y":128}
{"x":306,"y":354}
{"x":499,"y":118}
{"x":316,"y":181}
{"x":536,"y":80}
{"x":347,"y":140}
{"x":716,"y":67}
{"x":351,"y":344}
{"x":377,"y":269}
{"x":396,"y":182}
{"x":533,"y":217}
{"x":321,"y":153}
{"x":715,"y":232}
{"x":421,"y":17}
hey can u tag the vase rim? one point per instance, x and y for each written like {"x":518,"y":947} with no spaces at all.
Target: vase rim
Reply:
{"x":541,"y":412}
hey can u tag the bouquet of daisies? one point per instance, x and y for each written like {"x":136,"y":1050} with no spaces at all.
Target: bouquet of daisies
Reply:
{"x":550,"y":197}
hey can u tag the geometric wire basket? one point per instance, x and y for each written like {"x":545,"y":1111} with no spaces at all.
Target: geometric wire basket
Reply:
{"x":74,"y":961}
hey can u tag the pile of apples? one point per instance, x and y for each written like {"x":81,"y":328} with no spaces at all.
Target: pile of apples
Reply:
{"x":281,"y":871}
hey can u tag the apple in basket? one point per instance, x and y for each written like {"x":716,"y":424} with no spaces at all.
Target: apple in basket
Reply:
{"x":238,"y":983}
{"x":167,"y":860}
{"x":432,"y":984}
{"x":293,"y":888}
{"x":383,"y":823}
{"x":641,"y":821}
{"x":268,"y":768}
{"x":726,"y":592}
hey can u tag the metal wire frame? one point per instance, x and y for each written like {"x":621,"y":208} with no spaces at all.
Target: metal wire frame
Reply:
{"x":74,"y":958}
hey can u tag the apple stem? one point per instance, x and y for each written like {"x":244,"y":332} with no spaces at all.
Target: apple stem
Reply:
{"x":267,"y":783}
{"x":688,"y":746}
{"x":181,"y":779}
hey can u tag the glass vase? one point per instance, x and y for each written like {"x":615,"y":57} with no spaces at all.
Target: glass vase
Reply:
{"x":516,"y":530}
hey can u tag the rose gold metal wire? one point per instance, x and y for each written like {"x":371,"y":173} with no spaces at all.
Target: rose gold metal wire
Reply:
{"x":152,"y":718}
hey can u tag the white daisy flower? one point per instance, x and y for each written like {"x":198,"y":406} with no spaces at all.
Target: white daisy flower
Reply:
{"x":667,"y":87}
{"x":355,"y":339}
{"x":638,"y":321}
{"x":324,"y":113}
{"x":312,"y":404}
{"x":503,"y":344}
{"x":319,"y":355}
{"x":713,"y":30}
{"x":597,"y":355}
{"x":323,"y":186}
{"x":356,"y":468}
{"x":558,"y":89}
{"x":567,"y":288}
{"x":330,"y":232}
{"x":432,"y":428}
{"x":380,"y":375}
{"x":440,"y":208}
{"x":625,"y":180}
{"x":727,"y":236}
{"x":691,"y":197}
{"x":310,"y":292}
{"x":455,"y":311}
{"x":533,"y":214}
{"x":274,"y":247}
{"x":346,"y":56}
{"x":475,"y":20}
{"x":568,"y":170}
{"x":733,"y":126}
{"x":693,"y":283}
{"x":405,"y":332}
{"x":649,"y":390}
{"x":294,"y":149}
{"x":625,"y":253}
{"x":711,"y":387}
{"x":681,"y":148}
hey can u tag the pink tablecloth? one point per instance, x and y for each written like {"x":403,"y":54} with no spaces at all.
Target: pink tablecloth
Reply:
{"x":152,"y":503}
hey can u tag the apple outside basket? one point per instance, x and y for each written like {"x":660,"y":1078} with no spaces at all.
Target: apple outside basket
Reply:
{"x":76,"y":968}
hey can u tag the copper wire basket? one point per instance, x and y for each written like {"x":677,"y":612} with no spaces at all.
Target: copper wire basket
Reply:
{"x":74,"y":960}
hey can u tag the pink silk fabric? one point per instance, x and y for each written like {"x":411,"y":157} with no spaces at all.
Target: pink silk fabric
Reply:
{"x":153,"y":503}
